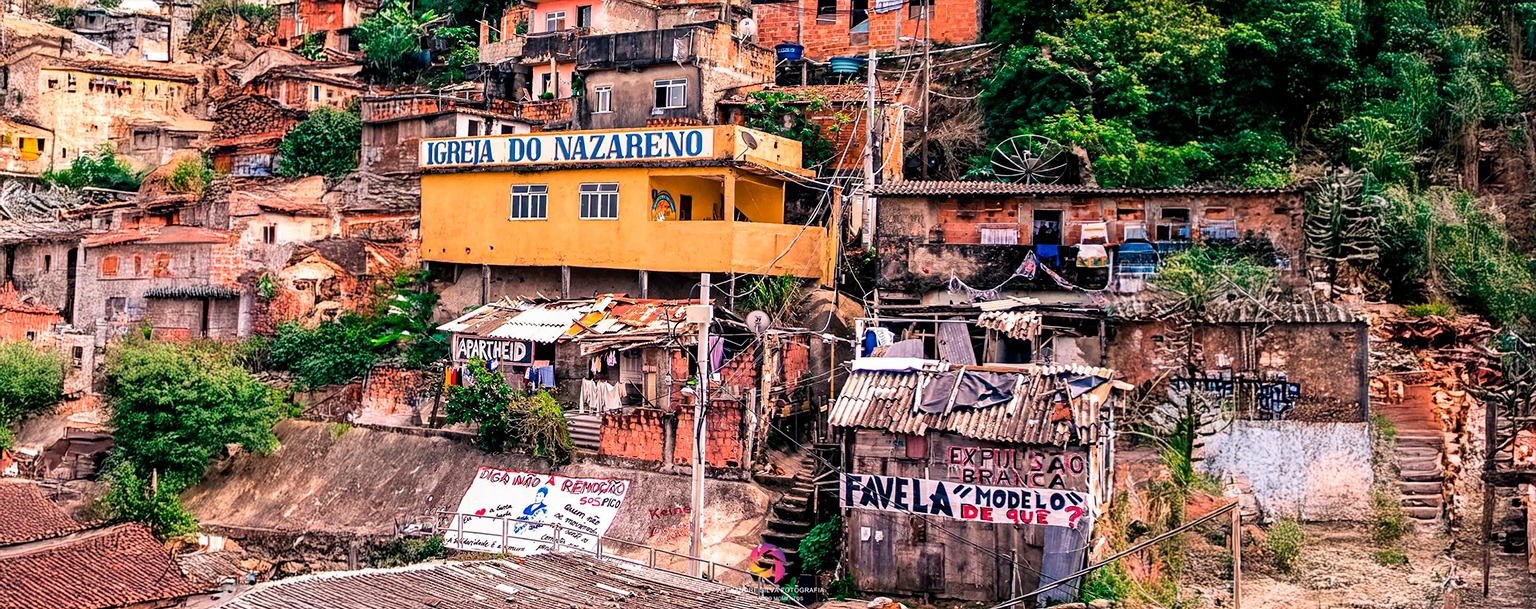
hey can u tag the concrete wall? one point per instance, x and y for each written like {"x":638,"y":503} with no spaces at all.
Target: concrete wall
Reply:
{"x":634,"y":96}
{"x":84,"y":117}
{"x":1288,"y":469}
{"x":1327,"y":360}
{"x":40,"y":271}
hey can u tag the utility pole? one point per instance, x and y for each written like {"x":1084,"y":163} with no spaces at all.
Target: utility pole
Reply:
{"x":1237,"y":557}
{"x":702,"y":314}
{"x":927,"y":81}
{"x":800,"y":40}
{"x":871,"y":143}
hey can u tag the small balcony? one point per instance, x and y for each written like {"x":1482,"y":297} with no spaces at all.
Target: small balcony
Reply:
{"x":401,"y":107}
{"x":704,"y":42}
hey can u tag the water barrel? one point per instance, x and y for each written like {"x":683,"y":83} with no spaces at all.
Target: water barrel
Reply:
{"x":789,"y":51}
{"x":846,"y":65}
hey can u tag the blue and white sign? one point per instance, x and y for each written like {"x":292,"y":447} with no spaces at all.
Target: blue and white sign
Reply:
{"x":576,"y":147}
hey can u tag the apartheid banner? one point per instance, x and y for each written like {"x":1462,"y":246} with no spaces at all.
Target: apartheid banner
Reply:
{"x":526,"y":510}
{"x":996,"y":504}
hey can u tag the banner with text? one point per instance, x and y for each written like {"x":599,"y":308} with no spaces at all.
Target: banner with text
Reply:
{"x":1011,"y":505}
{"x":524,"y":508}
{"x":553,"y":148}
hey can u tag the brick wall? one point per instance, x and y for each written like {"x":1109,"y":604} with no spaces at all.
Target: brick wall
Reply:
{"x":722,"y":431}
{"x":390,"y":390}
{"x":227,"y":265}
{"x":954,"y":22}
{"x":639,"y":433}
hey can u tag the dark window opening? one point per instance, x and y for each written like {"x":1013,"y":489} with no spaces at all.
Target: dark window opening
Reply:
{"x":920,"y":9}
{"x":1486,"y":173}
{"x":269,"y":234}
{"x":858,"y":18}
{"x":1047,"y":227}
{"x":583,"y":16}
{"x":47,"y":263}
{"x":685,"y":207}
{"x":826,"y":11}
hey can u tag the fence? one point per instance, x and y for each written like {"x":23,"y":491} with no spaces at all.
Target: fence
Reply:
{"x":453,"y":522}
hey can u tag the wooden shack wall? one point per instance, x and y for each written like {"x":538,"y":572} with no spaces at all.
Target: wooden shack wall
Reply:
{"x":914,"y":554}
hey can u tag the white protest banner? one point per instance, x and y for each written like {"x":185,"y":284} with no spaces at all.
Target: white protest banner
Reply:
{"x":529,"y":507}
{"x":1001,"y":505}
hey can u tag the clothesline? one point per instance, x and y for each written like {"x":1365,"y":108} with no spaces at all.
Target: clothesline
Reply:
{"x":1027,"y":269}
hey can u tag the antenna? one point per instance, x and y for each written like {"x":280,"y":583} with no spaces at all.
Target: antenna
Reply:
{"x":1030,"y":159}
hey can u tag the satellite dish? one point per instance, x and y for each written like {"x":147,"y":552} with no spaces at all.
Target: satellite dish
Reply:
{"x":747,"y":28}
{"x":758,"y":322}
{"x":1030,"y":159}
{"x":748,"y":139}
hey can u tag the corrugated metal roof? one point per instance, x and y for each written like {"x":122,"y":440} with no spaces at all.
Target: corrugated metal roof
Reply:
{"x":544,"y":581}
{"x":915,"y":188}
{"x":1243,"y":311}
{"x":886,"y":400}
{"x":604,"y":317}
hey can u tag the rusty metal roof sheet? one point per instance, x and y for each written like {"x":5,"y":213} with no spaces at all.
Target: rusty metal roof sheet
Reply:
{"x":543,"y":581}
{"x":1044,"y":409}
{"x":1022,"y":325}
{"x":1243,"y":311}
{"x":917,"y":188}
{"x":607,"y":317}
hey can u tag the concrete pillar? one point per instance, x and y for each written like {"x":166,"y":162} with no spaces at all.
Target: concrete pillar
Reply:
{"x":645,"y":284}
{"x":565,"y":281}
{"x":485,"y":284}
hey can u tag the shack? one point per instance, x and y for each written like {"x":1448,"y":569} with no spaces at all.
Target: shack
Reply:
{"x":972,"y":482}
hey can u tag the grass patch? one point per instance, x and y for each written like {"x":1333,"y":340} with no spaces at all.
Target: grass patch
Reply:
{"x":1439,"y":309}
{"x":1388,"y":521}
{"x":1285,"y":542}
{"x":1384,"y":427}
{"x":1391,"y":557}
{"x":338,"y":430}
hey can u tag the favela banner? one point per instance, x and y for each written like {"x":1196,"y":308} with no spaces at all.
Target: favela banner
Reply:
{"x":996,"y":504}
{"x":528,"y":506}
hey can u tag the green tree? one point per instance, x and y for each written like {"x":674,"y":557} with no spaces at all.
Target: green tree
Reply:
{"x":391,"y":40}
{"x":176,"y":406}
{"x":157,"y":506}
{"x":406,"y":322}
{"x":325,"y":144}
{"x":31,"y":380}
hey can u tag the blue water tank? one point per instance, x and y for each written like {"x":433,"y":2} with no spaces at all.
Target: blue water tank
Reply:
{"x":846,"y":65}
{"x":789,"y":51}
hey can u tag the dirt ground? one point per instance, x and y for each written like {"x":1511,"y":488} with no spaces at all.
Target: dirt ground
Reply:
{"x":1337,"y":570}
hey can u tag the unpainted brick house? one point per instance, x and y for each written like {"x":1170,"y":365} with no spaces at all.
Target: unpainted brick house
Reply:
{"x":829,"y":28}
{"x":927,"y":234}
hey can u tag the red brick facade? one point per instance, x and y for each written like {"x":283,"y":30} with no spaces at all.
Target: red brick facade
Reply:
{"x":827,"y":35}
{"x":723,"y":433}
{"x":639,"y":433}
{"x":391,"y":391}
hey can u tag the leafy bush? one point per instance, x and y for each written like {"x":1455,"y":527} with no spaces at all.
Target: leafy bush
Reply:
{"x":403,"y":551}
{"x":486,"y":401}
{"x":1388,"y":522}
{"x":175,"y":406}
{"x":1110,"y":582}
{"x":190,"y":176}
{"x":325,"y":144}
{"x":332,"y":353}
{"x":543,"y":427}
{"x":822,"y":546}
{"x":391,"y":40}
{"x":99,"y":169}
{"x":774,"y":295}
{"x":1284,"y":545}
{"x":788,"y":115}
{"x":213,"y":24}
{"x":1203,"y":274}
{"x":405,"y":322}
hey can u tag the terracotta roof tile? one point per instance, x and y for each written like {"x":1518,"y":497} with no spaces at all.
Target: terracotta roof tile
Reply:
{"x":25,"y":515}
{"x":112,"y":567}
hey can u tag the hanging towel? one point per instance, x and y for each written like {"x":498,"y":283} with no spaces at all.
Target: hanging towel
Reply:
{"x":546,"y":376}
{"x":716,"y":353}
{"x":613,"y":359}
{"x":1047,"y":251}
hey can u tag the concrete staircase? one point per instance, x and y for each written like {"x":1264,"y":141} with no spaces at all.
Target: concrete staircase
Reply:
{"x":1418,"y":452}
{"x":586,"y":430}
{"x":792,"y":517}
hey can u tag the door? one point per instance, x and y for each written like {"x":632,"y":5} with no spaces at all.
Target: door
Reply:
{"x":1047,"y":227}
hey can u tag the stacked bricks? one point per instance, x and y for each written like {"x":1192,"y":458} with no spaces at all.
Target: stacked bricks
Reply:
{"x":722,"y":433}
{"x":638,"y":433}
{"x":227,"y":265}
{"x":390,"y":390}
